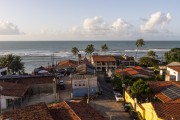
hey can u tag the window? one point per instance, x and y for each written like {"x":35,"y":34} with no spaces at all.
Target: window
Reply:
{"x":79,"y":84}
{"x":83,"y":84}
{"x":75,"y":85}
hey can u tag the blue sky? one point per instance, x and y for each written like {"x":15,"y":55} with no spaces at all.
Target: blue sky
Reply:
{"x":89,"y":20}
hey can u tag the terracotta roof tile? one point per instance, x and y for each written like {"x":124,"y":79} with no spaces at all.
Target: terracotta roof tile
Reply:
{"x":33,"y":112}
{"x":68,"y":63}
{"x":176,"y":68}
{"x":76,"y":110}
{"x":13,"y":89}
{"x":158,"y":86}
{"x":103,"y":58}
{"x":167,"y":111}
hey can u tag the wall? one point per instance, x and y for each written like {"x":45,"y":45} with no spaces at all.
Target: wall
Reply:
{"x":42,"y":88}
{"x":172,"y":72}
{"x":3,"y":101}
{"x":80,"y":87}
{"x":146,"y":109}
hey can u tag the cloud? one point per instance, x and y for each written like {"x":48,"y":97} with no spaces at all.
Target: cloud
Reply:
{"x":156,"y":22}
{"x":95,"y":25}
{"x":8,"y":28}
{"x":121,"y":26}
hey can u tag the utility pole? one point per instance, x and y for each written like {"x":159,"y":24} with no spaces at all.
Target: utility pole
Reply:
{"x":122,"y":78}
{"x":88,"y":92}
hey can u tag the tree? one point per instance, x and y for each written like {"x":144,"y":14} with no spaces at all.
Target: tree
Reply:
{"x":152,"y":54}
{"x":139,"y":44}
{"x":173,"y":55}
{"x":148,"y":62}
{"x":13,"y":62}
{"x":75,"y":51}
{"x":104,"y":48}
{"x":89,"y":50}
{"x":140,"y":89}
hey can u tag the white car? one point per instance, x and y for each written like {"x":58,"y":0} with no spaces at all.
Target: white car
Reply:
{"x":119,"y":97}
{"x":61,"y":82}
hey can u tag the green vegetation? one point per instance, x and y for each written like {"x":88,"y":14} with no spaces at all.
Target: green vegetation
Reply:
{"x":13,"y":63}
{"x":173,"y":55}
{"x":151,"y":54}
{"x":140,"y":90}
{"x":139,"y":44}
{"x":104,"y":48}
{"x":89,"y":50}
{"x":75,"y":51}
{"x":148,"y":62}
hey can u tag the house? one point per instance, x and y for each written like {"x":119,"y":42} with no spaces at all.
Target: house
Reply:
{"x":166,"y":91}
{"x":66,"y":110}
{"x":136,"y":71}
{"x":167,"y":108}
{"x":126,"y":61}
{"x":173,"y":72}
{"x":13,"y":94}
{"x":103,"y":62}
{"x":74,"y":110}
{"x":85,"y":69}
{"x":82,"y":85}
{"x":67,"y":64}
{"x":33,"y":112}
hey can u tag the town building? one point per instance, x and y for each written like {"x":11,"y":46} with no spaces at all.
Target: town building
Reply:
{"x":103,"y":63}
{"x":83,"y":85}
{"x":173,"y":72}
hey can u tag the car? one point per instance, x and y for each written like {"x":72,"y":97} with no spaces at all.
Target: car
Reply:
{"x":119,"y":97}
{"x":134,"y":115}
{"x":127,"y":106}
{"x":61,"y":85}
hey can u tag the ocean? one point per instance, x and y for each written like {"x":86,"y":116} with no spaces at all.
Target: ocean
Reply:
{"x":43,"y":53}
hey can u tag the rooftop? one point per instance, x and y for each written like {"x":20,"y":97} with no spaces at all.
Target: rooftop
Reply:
{"x":68,"y":63}
{"x":13,"y":89}
{"x":166,"y":91}
{"x":33,"y":112}
{"x":75,"y":110}
{"x":168,"y":111}
{"x":175,"y":68}
{"x":100,"y":58}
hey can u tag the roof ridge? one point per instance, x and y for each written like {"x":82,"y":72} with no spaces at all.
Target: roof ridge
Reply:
{"x":72,"y":110}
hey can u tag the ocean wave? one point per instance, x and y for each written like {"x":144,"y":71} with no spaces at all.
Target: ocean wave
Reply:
{"x":146,"y":50}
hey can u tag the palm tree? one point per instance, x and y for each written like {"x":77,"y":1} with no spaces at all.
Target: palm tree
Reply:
{"x":151,"y":54}
{"x":75,"y":51}
{"x":89,"y":50}
{"x":104,"y":48}
{"x":139,"y":44}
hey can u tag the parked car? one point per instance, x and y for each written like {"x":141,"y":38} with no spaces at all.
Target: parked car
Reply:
{"x":134,"y":115}
{"x":119,"y":97}
{"x":61,"y":85}
{"x":127,"y":106}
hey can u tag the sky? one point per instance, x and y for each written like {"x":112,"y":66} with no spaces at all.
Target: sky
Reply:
{"x":34,"y":20}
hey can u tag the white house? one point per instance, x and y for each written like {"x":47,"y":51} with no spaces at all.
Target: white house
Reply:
{"x":12,"y":94}
{"x":82,"y":85}
{"x":3,"y":71}
{"x":173,"y":72}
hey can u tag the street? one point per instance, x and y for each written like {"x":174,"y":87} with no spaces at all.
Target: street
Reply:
{"x":105,"y":104}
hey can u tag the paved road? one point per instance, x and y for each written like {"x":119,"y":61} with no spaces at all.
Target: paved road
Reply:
{"x":105,"y":104}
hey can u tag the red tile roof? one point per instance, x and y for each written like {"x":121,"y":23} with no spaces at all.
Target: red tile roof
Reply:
{"x":158,"y":86}
{"x":134,"y":71}
{"x":98,"y":58}
{"x":76,"y":110}
{"x":13,"y":89}
{"x":68,"y":63}
{"x":33,"y":112}
{"x":175,"y":68}
{"x":168,"y":111}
